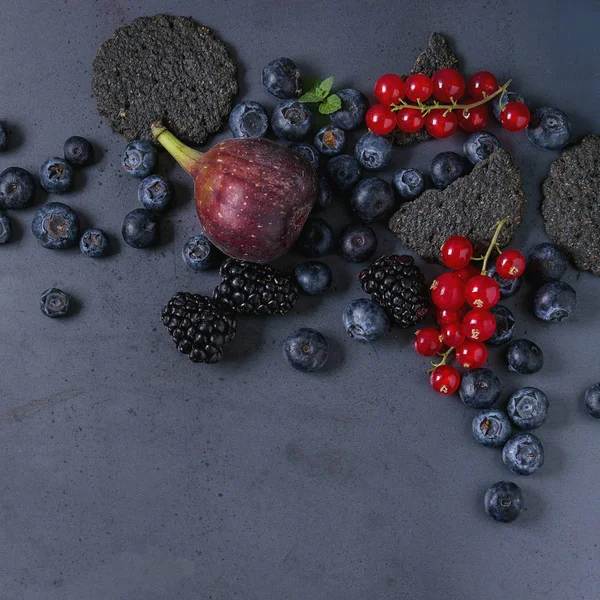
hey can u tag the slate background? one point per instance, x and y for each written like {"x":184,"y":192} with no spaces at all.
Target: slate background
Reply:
{"x":127,"y":472}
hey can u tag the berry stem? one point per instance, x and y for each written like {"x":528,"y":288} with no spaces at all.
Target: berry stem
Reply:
{"x":444,"y":356}
{"x":493,"y":244}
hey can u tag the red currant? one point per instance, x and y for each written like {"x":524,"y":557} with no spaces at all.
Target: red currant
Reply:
{"x":510,"y":264}
{"x":441,"y":124}
{"x":482,"y":292}
{"x":444,"y":316}
{"x":448,"y":85}
{"x":445,"y":379}
{"x":515,"y":116}
{"x":380,"y":119}
{"x":448,"y":291}
{"x":410,"y":120}
{"x":468,"y":273}
{"x":389,"y":89}
{"x":481,"y":85}
{"x":418,"y":87}
{"x":453,"y":334}
{"x":473,"y":119}
{"x":456,"y":252}
{"x":479,"y":324}
{"x":471,"y":354}
{"x":428,"y":341}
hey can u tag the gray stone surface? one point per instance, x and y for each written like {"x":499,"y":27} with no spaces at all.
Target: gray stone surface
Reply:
{"x":129,"y":473}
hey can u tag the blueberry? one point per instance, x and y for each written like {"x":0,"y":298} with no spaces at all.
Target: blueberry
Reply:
{"x":5,"y":229}
{"x":199,"y":253}
{"x":55,"y":226}
{"x":3,"y":136}
{"x":78,"y":151}
{"x":140,"y":228}
{"x":479,"y":388}
{"x":358,"y":243}
{"x":139,"y":159}
{"x":354,"y":108}
{"x":155,"y":193}
{"x":505,"y":325}
{"x":364,"y":320}
{"x":373,"y":151}
{"x":291,"y":120}
{"x":523,"y":454}
{"x":281,"y":78}
{"x":592,"y":400}
{"x":55,"y":303}
{"x":491,"y":427}
{"x":508,"y":287}
{"x":480,"y":145}
{"x":446,"y":168}
{"x":308,"y":151}
{"x":555,"y":301}
{"x":546,"y":262}
{"x":330,"y":140}
{"x":248,"y":120}
{"x":549,"y":128}
{"x":344,"y":172}
{"x":93,"y":243}
{"x":409,"y":183}
{"x":316,"y":238}
{"x":502,"y":100}
{"x":306,"y":350}
{"x":503,"y":501}
{"x":524,"y":357}
{"x":325,"y":196}
{"x":17,"y":187}
{"x":372,"y":199}
{"x":313,"y":277}
{"x":528,"y":408}
{"x":56,"y":175}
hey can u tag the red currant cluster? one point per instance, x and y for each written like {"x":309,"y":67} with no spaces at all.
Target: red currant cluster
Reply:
{"x":463,"y":329}
{"x":442,"y":117}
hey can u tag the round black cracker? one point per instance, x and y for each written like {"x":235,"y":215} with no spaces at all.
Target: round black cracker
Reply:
{"x":164,"y":68}
{"x":571,"y":203}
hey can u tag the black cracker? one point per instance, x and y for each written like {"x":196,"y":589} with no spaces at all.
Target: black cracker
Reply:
{"x":571,"y":204}
{"x":471,"y":206}
{"x":164,"y":68}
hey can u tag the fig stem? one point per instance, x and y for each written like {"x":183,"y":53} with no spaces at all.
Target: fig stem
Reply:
{"x":187,"y":157}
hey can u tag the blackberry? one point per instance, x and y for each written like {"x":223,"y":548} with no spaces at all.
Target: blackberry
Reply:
{"x":255,"y":289}
{"x":199,"y":327}
{"x":398,"y":285}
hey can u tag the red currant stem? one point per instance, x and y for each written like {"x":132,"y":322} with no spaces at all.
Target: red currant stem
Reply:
{"x":493,"y":244}
{"x":498,"y":249}
{"x":444,"y":356}
{"x":478,"y":258}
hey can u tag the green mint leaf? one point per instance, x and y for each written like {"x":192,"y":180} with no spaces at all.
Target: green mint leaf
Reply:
{"x":330,"y":105}
{"x":325,"y":87}
{"x":310,"y":97}
{"x":310,"y":84}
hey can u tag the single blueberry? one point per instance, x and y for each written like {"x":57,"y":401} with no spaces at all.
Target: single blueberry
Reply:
{"x":592,"y":400}
{"x":479,"y":146}
{"x":508,"y":287}
{"x":93,"y":243}
{"x":358,"y":243}
{"x":446,"y":168}
{"x":502,"y":100}
{"x":528,"y":408}
{"x":139,"y":159}
{"x":5,"y":229}
{"x":373,"y":151}
{"x":523,"y":454}
{"x":503,"y":501}
{"x":372,"y":199}
{"x":546,"y":262}
{"x":524,"y":357}
{"x":409,"y":183}
{"x":324,"y":197}
{"x":491,"y":427}
{"x":56,"y":175}
{"x":17,"y":187}
{"x":55,"y":303}
{"x":555,"y":301}
{"x":78,"y":151}
{"x":354,"y":108}
{"x":306,"y":350}
{"x":248,"y":120}
{"x":313,"y":277}
{"x":505,"y":325}
{"x":330,"y":140}
{"x":308,"y":151}
{"x":140,"y":228}
{"x":155,"y":193}
{"x":364,"y":320}
{"x":549,"y":128}
{"x":316,"y":238}
{"x":55,"y":226}
{"x":3,"y":136}
{"x":281,"y":78}
{"x":479,"y":388}
{"x":291,"y":120}
{"x":344,"y":172}
{"x":199,"y":253}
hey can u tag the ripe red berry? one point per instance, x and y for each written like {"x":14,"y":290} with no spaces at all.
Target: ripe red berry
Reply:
{"x":448,"y":85}
{"x":481,"y":85}
{"x":448,"y":291}
{"x":380,"y":119}
{"x":428,"y":341}
{"x":453,"y":334}
{"x":468,"y":272}
{"x":479,"y":324}
{"x":472,"y":119}
{"x":443,"y":316}
{"x":471,"y":354}
{"x":418,"y":87}
{"x":515,"y":116}
{"x":456,"y":252}
{"x":482,"y":291}
{"x":389,"y":89}
{"x":410,"y":120}
{"x":445,"y":379}
{"x":510,"y":264}
{"x":441,"y":124}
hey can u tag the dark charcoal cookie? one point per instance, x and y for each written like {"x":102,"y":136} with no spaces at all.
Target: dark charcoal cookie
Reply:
{"x":471,"y":206}
{"x":164,"y":68}
{"x":436,"y":56}
{"x":571,"y":204}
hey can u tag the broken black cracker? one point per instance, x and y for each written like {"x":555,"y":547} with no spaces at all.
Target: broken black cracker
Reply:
{"x":571,"y":203}
{"x":164,"y":68}
{"x":471,"y":206}
{"x":436,"y":56}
